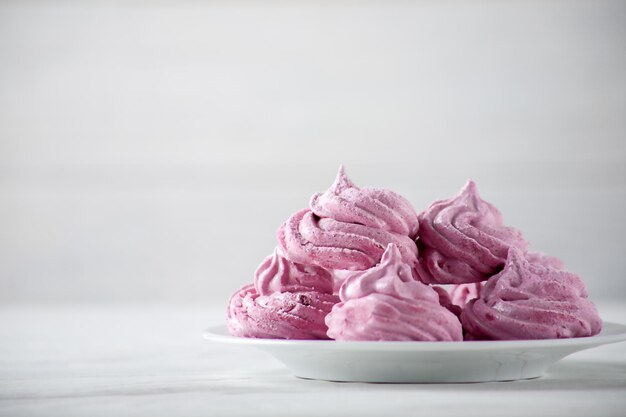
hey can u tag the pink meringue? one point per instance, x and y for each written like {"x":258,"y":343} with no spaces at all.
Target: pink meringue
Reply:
{"x":307,"y":239}
{"x":278,"y":274}
{"x":348,"y":228}
{"x":463,"y":239}
{"x":530,"y":301}
{"x":461,"y":294}
{"x":446,"y":301}
{"x":280,"y":315}
{"x":386,"y":303}
{"x":373,"y":207}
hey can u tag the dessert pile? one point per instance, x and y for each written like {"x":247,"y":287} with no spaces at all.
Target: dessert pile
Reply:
{"x":361,"y":264}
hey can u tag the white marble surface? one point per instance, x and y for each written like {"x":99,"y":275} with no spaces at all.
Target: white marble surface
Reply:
{"x":152,"y":361}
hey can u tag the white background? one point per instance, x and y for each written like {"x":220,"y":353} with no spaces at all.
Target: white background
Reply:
{"x":149,"y":150}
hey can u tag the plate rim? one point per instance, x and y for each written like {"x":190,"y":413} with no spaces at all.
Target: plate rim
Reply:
{"x":219,"y":333}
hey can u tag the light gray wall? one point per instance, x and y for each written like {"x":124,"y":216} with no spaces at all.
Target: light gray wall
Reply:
{"x":149,"y":151}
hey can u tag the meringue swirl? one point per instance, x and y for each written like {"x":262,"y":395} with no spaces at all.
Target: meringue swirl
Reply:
{"x":461,"y":294}
{"x":278,"y":274}
{"x":280,"y":315}
{"x":310,"y":240}
{"x":463,"y":239}
{"x":531,"y":301}
{"x":373,"y":207}
{"x":386,"y":303}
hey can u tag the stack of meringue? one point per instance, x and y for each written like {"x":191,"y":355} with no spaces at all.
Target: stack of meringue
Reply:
{"x":361,"y":264}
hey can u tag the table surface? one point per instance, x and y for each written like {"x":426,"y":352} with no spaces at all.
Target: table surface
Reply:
{"x":152,"y":361}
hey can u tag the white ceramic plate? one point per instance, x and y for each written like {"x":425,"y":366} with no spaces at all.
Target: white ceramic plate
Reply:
{"x":421,"y":361}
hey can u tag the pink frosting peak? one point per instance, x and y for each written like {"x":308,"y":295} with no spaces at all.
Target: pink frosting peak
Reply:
{"x":331,"y":244}
{"x":531,"y":301}
{"x":377,"y":208}
{"x":278,"y":274}
{"x":386,"y":303}
{"x":463,"y":239}
{"x":280,"y":315}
